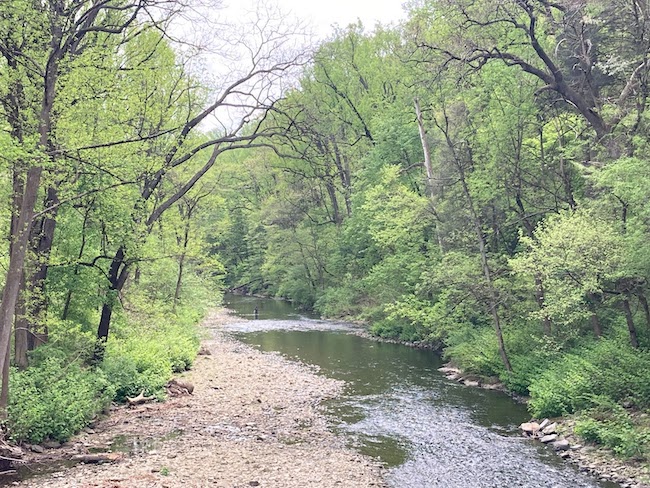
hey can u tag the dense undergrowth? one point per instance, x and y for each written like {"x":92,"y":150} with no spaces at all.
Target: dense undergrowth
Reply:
{"x":62,"y":390}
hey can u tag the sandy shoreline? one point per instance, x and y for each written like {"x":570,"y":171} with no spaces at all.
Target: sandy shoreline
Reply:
{"x":253,"y":420}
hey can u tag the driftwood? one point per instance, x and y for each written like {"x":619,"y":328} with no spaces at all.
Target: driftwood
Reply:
{"x":139,"y":399}
{"x":9,"y":456}
{"x":104,"y":457}
{"x":178,"y":387}
{"x":9,"y":452}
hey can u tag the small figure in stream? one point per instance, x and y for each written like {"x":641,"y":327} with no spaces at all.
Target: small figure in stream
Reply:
{"x":256,"y":313}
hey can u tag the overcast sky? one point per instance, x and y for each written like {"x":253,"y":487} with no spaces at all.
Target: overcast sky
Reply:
{"x":324,"y":13}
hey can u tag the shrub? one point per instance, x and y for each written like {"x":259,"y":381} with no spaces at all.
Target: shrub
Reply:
{"x":609,"y":367}
{"x":475,"y":351}
{"x":55,"y":399}
{"x":143,"y":359}
{"x":388,"y":329}
{"x":610,"y":425}
{"x":136,"y":366}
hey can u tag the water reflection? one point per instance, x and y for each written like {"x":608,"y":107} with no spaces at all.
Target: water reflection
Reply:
{"x":263,"y":308}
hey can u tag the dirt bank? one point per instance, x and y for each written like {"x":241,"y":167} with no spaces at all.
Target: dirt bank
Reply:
{"x":253,"y":420}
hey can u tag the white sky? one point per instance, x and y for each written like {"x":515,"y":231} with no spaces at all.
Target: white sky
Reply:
{"x":224,"y":56}
{"x":323,"y":14}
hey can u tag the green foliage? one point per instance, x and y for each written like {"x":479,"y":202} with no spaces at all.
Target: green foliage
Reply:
{"x":475,"y":351}
{"x":574,"y":254}
{"x":523,"y":215}
{"x":143,"y":356}
{"x":137,"y":366}
{"x":609,"y":366}
{"x":56,"y":399}
{"x":58,"y":395}
{"x":612,"y":426}
{"x":530,"y":360}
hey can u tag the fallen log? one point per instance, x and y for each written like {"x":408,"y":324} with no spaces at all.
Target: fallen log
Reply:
{"x":139,"y":399}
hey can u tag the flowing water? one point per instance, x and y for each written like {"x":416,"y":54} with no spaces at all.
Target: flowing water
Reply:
{"x":428,"y":431}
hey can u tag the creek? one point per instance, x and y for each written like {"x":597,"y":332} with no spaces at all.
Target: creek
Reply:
{"x":398,"y":408}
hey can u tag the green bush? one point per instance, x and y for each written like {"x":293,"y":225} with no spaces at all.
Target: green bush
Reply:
{"x":55,"y":399}
{"x":388,"y":329}
{"x":58,"y":395}
{"x":136,"y":366}
{"x":609,"y":367}
{"x":340,"y":301}
{"x":475,"y":351}
{"x":610,"y":425}
{"x":143,"y":358}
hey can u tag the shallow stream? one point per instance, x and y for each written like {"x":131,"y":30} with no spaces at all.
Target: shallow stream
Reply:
{"x":426,"y":430}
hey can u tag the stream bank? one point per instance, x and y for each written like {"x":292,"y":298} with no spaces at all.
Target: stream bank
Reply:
{"x":253,"y":420}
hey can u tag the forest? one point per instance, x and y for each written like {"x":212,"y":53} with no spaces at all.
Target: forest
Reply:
{"x":476,"y":178}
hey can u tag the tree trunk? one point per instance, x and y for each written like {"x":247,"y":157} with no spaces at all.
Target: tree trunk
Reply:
{"x":425,"y":149}
{"x":343,"y":169}
{"x":539,"y":298}
{"x":21,"y":329}
{"x":487,"y":273}
{"x":595,"y":325}
{"x":20,"y":335}
{"x":331,"y":191}
{"x":117,"y":276}
{"x":31,"y":327}
{"x":181,"y":262}
{"x":595,"y":321}
{"x":179,"y":280}
{"x":4,"y":394}
{"x":634,"y":340}
{"x":17,"y":262}
{"x":428,"y":167}
{"x":644,"y":303}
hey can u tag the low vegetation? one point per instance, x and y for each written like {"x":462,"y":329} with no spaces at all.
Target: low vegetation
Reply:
{"x":63,"y":390}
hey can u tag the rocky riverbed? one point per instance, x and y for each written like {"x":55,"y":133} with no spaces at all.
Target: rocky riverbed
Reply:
{"x":253,"y":420}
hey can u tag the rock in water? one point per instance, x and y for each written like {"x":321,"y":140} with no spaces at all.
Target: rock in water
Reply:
{"x":529,"y":427}
{"x":561,"y":445}
{"x":549,"y":438}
